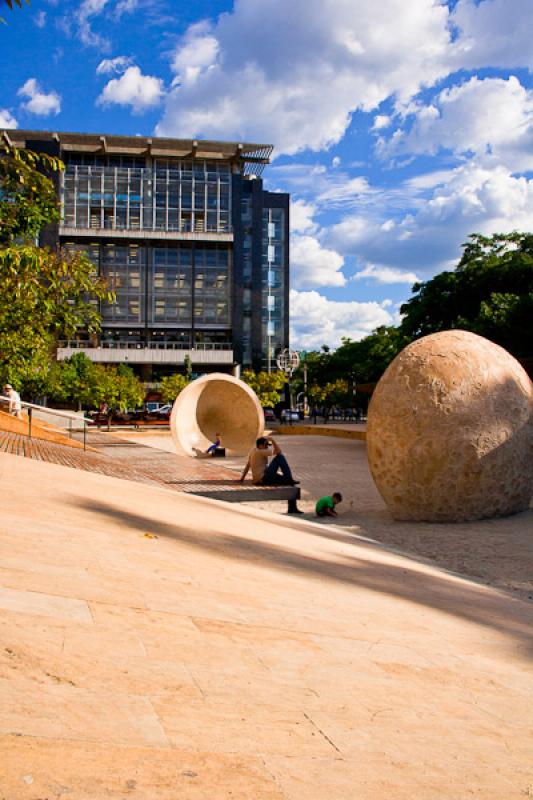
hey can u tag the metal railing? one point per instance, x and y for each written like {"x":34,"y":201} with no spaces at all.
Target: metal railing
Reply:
{"x":127,"y":345}
{"x":30,"y":407}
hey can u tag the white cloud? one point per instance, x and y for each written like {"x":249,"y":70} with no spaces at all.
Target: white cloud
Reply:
{"x":40,"y":19}
{"x":315,"y":320}
{"x":495,"y":33}
{"x":249,"y":75}
{"x":313,"y":265}
{"x":377,"y":274}
{"x":114,"y":65}
{"x":301,"y":217}
{"x":126,"y":7}
{"x":134,"y":89}
{"x":342,"y":191}
{"x":197,"y":54}
{"x":7,"y":120}
{"x":335,"y":162}
{"x":83,"y":16}
{"x":491,"y":118}
{"x":39,"y":102}
{"x":328,"y":187}
{"x":381,"y":121}
{"x":428,"y":237}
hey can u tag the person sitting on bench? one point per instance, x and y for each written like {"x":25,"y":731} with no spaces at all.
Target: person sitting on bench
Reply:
{"x":277,"y":473}
{"x":216,"y":444}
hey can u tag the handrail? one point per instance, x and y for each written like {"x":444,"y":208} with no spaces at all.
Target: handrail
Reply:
{"x":48,"y":410}
{"x":74,"y":344}
{"x":54,"y":411}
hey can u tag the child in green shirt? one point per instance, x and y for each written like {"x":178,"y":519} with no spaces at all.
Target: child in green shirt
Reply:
{"x":325,"y":507}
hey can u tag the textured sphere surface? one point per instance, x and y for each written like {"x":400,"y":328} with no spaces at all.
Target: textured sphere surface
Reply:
{"x":216,"y":403}
{"x":450,"y":431}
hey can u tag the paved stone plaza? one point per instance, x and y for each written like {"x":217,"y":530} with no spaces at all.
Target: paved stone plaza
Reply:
{"x":498,"y":552}
{"x":157,"y":645}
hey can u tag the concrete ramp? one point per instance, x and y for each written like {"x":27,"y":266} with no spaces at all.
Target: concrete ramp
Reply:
{"x":158,"y":645}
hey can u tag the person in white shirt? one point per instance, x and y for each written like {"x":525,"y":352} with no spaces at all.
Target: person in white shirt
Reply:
{"x":15,"y":406}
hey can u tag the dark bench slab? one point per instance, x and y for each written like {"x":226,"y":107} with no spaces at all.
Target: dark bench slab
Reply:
{"x":234,"y":492}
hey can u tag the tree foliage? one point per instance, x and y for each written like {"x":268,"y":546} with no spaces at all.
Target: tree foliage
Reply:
{"x":490,"y":293}
{"x":11,"y":3}
{"x":357,"y":362}
{"x":333,"y":394}
{"x":119,"y":387}
{"x":172,"y":385}
{"x":76,"y":380}
{"x":81,"y":381}
{"x":266,"y":385}
{"x":46,"y":295}
{"x":28,"y":198}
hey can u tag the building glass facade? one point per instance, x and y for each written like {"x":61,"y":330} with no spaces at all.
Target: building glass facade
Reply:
{"x":130,"y":194}
{"x":195,"y":251}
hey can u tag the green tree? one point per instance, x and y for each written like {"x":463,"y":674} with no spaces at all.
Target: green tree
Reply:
{"x":333,"y":394}
{"x":266,"y":385}
{"x":119,"y":387}
{"x":28,"y":198}
{"x":365,"y":361}
{"x":79,"y":381}
{"x":172,"y":385}
{"x":45,"y":295}
{"x":490,"y":293}
{"x":187,"y":363}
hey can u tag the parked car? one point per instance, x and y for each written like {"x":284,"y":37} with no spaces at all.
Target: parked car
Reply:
{"x":269,"y":415}
{"x":290,"y":415}
{"x":161,"y":413}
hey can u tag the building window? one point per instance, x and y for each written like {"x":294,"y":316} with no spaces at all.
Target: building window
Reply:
{"x":125,"y":194}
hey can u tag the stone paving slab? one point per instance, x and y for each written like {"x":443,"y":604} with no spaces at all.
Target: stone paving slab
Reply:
{"x":117,"y":457}
{"x":253,"y":656}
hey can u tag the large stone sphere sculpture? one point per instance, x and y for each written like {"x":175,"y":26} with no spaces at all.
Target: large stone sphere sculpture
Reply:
{"x":450,"y":431}
{"x":216,"y":403}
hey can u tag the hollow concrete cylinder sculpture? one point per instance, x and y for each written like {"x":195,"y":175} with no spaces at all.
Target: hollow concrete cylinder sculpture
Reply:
{"x":450,"y":431}
{"x":216,"y":403}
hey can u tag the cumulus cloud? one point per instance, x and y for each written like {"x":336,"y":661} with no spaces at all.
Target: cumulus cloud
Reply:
{"x":248,"y":75}
{"x":133,"y":89}
{"x":113,"y":66}
{"x":491,"y":118}
{"x":428,"y":237}
{"x":39,"y":102}
{"x":302,"y":216}
{"x":313,"y":265}
{"x":7,"y":120}
{"x":196,"y":55}
{"x":376,"y":274}
{"x":315,"y":320}
{"x":494,"y":32}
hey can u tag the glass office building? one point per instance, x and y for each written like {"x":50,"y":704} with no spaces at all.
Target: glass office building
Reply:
{"x":194,"y":249}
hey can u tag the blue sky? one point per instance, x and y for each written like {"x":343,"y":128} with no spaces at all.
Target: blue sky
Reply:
{"x":399,"y":127}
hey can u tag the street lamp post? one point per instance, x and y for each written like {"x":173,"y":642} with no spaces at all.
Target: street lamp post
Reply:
{"x":287,"y":361}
